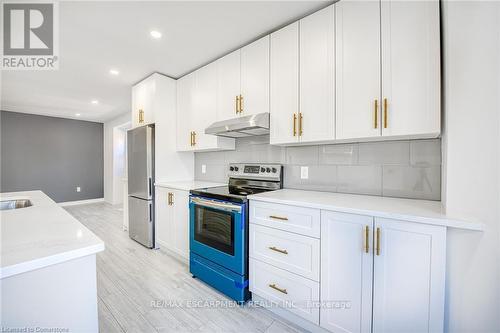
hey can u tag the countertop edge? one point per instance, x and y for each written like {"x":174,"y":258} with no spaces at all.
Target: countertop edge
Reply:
{"x":181,"y":185}
{"x":43,"y":262}
{"x":445,"y":222}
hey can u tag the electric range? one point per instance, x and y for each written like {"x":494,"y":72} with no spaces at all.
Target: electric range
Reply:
{"x":219,"y":227}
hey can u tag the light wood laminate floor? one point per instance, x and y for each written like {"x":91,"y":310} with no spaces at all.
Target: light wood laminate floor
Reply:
{"x":131,"y":278}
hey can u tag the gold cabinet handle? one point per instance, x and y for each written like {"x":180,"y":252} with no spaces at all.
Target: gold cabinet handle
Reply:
{"x":375,"y":123}
{"x":278,"y":217}
{"x":278,"y":289}
{"x":171,"y":198}
{"x":194,"y":138}
{"x":274,"y":248}
{"x":237,"y":104}
{"x":300,"y":123}
{"x":377,"y":248}
{"x":367,"y":239}
{"x":294,"y":124}
{"x":141,"y":116}
{"x":241,"y":104}
{"x":386,"y":116}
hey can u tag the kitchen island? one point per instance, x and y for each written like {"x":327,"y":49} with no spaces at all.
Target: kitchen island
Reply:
{"x":47,"y":267}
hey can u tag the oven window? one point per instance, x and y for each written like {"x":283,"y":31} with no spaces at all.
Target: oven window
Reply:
{"x":214,"y":228}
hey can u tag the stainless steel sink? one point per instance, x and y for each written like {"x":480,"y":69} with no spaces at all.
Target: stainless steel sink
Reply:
{"x":15,"y":204}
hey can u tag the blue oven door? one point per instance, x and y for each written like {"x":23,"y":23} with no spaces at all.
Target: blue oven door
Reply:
{"x":217,"y":232}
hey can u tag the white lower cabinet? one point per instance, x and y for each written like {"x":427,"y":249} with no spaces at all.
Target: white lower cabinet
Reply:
{"x":346,"y":272}
{"x":291,"y":291}
{"x":392,"y":274}
{"x":369,"y":274}
{"x":172,"y":220}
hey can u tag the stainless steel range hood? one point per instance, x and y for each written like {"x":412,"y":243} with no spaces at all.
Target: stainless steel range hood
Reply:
{"x":257,"y":124}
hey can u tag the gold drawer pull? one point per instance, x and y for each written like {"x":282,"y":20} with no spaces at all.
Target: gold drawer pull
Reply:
{"x":367,"y":239}
{"x":278,"y":289}
{"x":300,"y":123}
{"x":274,"y":248}
{"x":375,"y":124}
{"x":294,"y":124}
{"x":377,"y":248}
{"x":241,"y":104}
{"x":386,"y":116}
{"x":278,"y":217}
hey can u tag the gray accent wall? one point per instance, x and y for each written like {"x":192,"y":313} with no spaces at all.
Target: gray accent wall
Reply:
{"x":51,"y":154}
{"x":405,"y":169}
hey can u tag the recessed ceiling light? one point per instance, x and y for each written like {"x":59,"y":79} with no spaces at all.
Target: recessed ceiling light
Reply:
{"x":114,"y":72}
{"x":95,"y":101}
{"x":77,"y":114}
{"x":155,"y":34}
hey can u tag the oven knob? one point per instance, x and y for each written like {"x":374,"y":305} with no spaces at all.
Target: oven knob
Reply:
{"x":235,"y":168}
{"x":274,"y":170}
{"x":262,"y":170}
{"x":268,"y":170}
{"x":231,"y":168}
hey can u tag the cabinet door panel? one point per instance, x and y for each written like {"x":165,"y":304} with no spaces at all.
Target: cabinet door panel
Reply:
{"x":185,"y":98}
{"x":181,"y":222}
{"x":284,"y":83}
{"x":164,"y":218}
{"x":357,"y":70}
{"x":409,"y":277}
{"x":317,"y":89}
{"x":228,"y":85}
{"x":346,"y":272}
{"x":255,"y":77}
{"x":411,"y":67}
{"x":205,"y":106}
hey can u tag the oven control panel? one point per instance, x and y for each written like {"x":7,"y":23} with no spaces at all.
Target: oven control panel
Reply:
{"x":250,"y":170}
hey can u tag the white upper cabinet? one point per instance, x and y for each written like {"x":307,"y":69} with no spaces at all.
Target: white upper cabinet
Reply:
{"x":185,"y":112}
{"x":255,"y":77}
{"x":143,"y":97}
{"x":317,"y":80}
{"x":228,"y":86}
{"x":410,"y":68}
{"x":284,"y":111}
{"x":197,"y":109}
{"x":409,"y":277}
{"x":357,"y":69}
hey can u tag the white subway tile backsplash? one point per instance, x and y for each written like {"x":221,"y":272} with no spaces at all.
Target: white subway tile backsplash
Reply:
{"x":382,"y":153}
{"x":360,"y":179}
{"x":412,"y":182}
{"x":321,"y":178}
{"x":339,"y":154}
{"x":425,"y":153}
{"x":306,"y":155}
{"x":407,"y":169}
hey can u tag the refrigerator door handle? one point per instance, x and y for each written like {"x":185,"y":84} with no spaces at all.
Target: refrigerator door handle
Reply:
{"x":150,"y":185}
{"x":150,"y":213}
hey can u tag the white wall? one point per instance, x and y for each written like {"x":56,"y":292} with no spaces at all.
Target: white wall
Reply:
{"x":471,"y":153}
{"x":108,"y":155}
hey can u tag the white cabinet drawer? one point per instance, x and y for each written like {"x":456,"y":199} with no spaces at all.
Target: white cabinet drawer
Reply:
{"x":295,"y":253}
{"x":300,"y":220}
{"x":294,"y":293}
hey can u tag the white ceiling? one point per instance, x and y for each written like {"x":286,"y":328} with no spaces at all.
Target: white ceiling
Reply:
{"x":98,"y":36}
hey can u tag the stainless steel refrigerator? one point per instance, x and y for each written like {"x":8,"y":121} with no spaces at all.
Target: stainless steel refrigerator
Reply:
{"x":141,"y":177}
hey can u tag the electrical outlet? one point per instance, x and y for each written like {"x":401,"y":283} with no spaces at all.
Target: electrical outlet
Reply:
{"x":78,"y":189}
{"x":304,"y":172}
{"x":203,"y":168}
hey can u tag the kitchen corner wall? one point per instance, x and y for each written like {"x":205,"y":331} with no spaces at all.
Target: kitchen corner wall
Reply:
{"x":405,"y":169}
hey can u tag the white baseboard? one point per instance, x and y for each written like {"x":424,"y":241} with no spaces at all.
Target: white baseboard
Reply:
{"x":80,"y":202}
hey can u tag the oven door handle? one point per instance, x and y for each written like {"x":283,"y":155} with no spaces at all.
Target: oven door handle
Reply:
{"x":216,"y":205}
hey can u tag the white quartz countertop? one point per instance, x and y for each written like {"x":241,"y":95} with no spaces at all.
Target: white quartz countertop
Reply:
{"x":419,"y":211}
{"x":41,"y":235}
{"x":188,"y":184}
